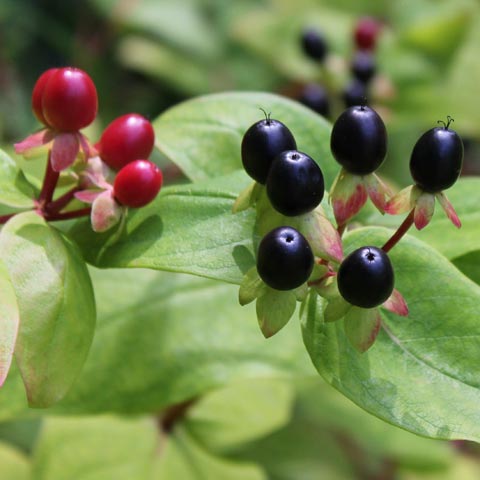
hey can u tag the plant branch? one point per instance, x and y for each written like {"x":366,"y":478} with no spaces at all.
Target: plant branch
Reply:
{"x":401,"y":231}
{"x":61,"y":202}
{"x":82,"y":212}
{"x":6,"y":218}
{"x":174,"y":414}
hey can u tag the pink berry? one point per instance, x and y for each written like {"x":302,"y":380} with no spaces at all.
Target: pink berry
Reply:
{"x":366,"y":32}
{"x":69,"y":100}
{"x":137,"y":183}
{"x":127,"y":138}
{"x":37,"y":94}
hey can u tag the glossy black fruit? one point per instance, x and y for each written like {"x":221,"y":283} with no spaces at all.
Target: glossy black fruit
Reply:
{"x":437,"y":158}
{"x":285,"y":259}
{"x":314,"y":44}
{"x":366,"y":278}
{"x":315,"y":97}
{"x":262,"y":142}
{"x":355,"y":94}
{"x":359,"y":140}
{"x":295,"y":183}
{"x":363,"y":66}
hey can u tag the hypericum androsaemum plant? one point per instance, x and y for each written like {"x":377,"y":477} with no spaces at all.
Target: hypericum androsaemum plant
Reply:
{"x":418,"y":366}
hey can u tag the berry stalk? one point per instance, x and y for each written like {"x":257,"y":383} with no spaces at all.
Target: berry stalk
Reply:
{"x":401,"y":231}
{"x":82,"y":212}
{"x":49,"y":183}
{"x":61,"y":202}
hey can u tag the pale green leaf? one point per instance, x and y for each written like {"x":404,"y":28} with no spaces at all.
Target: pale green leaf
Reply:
{"x":13,"y":464}
{"x":95,"y":448}
{"x":252,"y":286}
{"x":203,"y":136}
{"x":183,"y":458}
{"x":420,"y":374}
{"x":274,"y":310}
{"x":56,"y":304}
{"x":9,"y":320}
{"x":15,"y":191}
{"x":241,"y":412}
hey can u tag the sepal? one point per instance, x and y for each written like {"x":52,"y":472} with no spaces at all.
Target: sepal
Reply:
{"x":396,"y":304}
{"x":362,"y":326}
{"x":274,"y":310}
{"x":348,"y":195}
{"x":106,"y":212}
{"x":247,"y":197}
{"x":322,"y":236}
{"x":251,"y":287}
{"x":403,"y":201}
{"x":378,"y":191}
{"x":424,"y":209}
{"x":35,"y":144}
{"x":448,"y":209}
{"x":64,"y":151}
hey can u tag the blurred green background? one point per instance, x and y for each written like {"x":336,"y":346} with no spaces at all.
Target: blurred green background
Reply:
{"x":147,"y":55}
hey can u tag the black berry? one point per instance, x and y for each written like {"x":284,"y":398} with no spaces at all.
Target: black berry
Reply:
{"x":355,"y":94}
{"x":295,"y":183}
{"x":437,"y":158}
{"x":363,"y":66}
{"x":314,"y":44}
{"x":315,"y":97}
{"x":365,"y":277}
{"x":359,"y":140}
{"x":262,"y":142}
{"x":285,"y":259}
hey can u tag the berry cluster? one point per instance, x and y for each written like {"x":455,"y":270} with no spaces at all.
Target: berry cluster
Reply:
{"x":294,"y":186}
{"x":304,"y":249}
{"x":362,"y":66}
{"x":112,"y":175}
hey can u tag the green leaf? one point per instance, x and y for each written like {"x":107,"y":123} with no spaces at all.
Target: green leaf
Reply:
{"x":15,"y":191}
{"x":241,"y":412}
{"x":421,"y":367}
{"x":203,"y":136}
{"x":56,"y":303}
{"x":274,"y":309}
{"x":187,"y":229}
{"x":95,"y":448}
{"x":185,"y":459}
{"x":13,"y":464}
{"x":9,"y":320}
{"x":362,"y":326}
{"x":163,"y":339}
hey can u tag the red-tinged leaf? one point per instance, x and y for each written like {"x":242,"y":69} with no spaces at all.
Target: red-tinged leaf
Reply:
{"x":448,"y":209}
{"x":348,"y":196}
{"x":396,"y":304}
{"x":34,"y":141}
{"x":424,"y":208}
{"x":322,"y":236}
{"x":377,"y":191}
{"x":64,"y":151}
{"x":403,"y":201}
{"x":106,"y":212}
{"x":362,"y":326}
{"x":88,"y":196}
{"x":9,"y":322}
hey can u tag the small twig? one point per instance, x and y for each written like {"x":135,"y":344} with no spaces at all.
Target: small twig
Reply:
{"x":402,"y":230}
{"x":61,"y":202}
{"x":49,"y":183}
{"x":68,"y":215}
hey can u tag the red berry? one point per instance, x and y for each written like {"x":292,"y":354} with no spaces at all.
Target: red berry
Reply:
{"x":127,"y":138}
{"x":366,"y":32}
{"x":137,"y":183}
{"x":69,"y":100}
{"x":37,"y":94}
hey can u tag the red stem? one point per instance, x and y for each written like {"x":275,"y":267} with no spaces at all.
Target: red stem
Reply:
{"x":6,"y":218}
{"x":61,"y":202}
{"x":82,"y":212}
{"x":49,"y":183}
{"x":402,"y":230}
{"x":341,"y":228}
